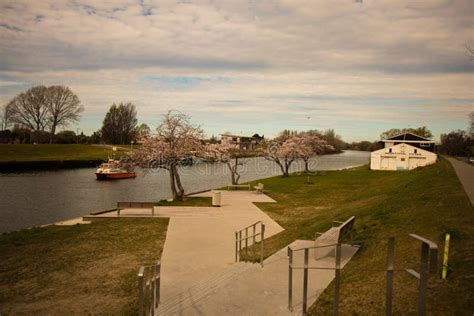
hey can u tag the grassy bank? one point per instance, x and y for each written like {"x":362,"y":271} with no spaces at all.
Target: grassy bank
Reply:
{"x":428,"y":201}
{"x":82,"y":269}
{"x":465,"y":159}
{"x":54,"y":152}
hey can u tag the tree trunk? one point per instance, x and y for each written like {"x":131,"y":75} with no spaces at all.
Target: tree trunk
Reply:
{"x":180,"y":192}
{"x":53,"y":131}
{"x":287,"y":168}
{"x":284,"y":170}
{"x":306,"y":167}
{"x":173,"y":184}
{"x":235,"y":176}
{"x":232,"y":176}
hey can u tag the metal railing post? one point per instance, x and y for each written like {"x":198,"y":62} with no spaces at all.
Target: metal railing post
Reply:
{"x":305,"y":280}
{"x":338,"y":279}
{"x":141,"y":295}
{"x":390,"y":265}
{"x":261,"y":243}
{"x":253,"y":241}
{"x":153,"y":288}
{"x":423,"y":285}
{"x":236,"y":246}
{"x":428,"y":264}
{"x":240,"y":246}
{"x":290,"y":279}
{"x":246,"y":241}
{"x":158,"y":283}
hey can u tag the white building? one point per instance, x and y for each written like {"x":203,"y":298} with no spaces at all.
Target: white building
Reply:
{"x":401,"y":157}
{"x":243,"y":142}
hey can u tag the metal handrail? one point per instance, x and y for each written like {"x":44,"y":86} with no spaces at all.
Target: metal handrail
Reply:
{"x":149,"y":280}
{"x":239,"y":239}
{"x":257,"y":222}
{"x":428,"y":265}
{"x":311,"y":247}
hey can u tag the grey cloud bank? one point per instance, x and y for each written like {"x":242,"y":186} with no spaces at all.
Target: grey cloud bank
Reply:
{"x":336,"y":62}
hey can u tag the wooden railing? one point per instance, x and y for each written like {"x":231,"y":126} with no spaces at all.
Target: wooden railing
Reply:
{"x":242,"y":238}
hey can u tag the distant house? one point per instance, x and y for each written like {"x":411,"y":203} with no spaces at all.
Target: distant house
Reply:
{"x":403,"y":152}
{"x":244,"y":142}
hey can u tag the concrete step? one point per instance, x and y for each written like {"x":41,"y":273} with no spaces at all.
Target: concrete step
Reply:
{"x":249,"y":289}
{"x":182,"y":300}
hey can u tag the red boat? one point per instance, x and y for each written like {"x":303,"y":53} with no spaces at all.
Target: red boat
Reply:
{"x":113,"y":170}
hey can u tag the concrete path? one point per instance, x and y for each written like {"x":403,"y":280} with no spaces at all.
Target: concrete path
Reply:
{"x":199,"y":275}
{"x":249,"y":289}
{"x":465,"y":174}
{"x":200,"y":240}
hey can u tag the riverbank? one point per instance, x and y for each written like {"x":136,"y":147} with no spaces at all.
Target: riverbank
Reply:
{"x":28,"y":157}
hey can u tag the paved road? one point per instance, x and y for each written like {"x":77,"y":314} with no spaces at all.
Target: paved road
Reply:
{"x":465,"y":174}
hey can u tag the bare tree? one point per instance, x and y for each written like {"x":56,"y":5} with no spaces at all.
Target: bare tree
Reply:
{"x":30,"y":108}
{"x":470,"y":52}
{"x":63,"y":107}
{"x":6,"y":116}
{"x":471,"y":126}
{"x":175,"y":141}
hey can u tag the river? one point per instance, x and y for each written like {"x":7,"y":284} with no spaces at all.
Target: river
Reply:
{"x":37,"y":198}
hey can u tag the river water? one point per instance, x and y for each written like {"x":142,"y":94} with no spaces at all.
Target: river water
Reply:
{"x":37,"y":198}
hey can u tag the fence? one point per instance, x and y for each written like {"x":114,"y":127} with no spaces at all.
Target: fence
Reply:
{"x":428,"y":264}
{"x":243,"y":236}
{"x":149,"y":288}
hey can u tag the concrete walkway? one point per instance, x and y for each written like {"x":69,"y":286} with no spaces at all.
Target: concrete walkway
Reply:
{"x":200,"y":240}
{"x":199,"y":275}
{"x":249,"y":289}
{"x":465,"y":174}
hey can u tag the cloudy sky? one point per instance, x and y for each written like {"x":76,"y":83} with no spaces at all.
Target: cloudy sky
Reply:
{"x":259,"y":66}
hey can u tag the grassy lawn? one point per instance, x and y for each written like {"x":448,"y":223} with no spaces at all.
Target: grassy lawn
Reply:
{"x":81,"y":269}
{"x":428,"y":201}
{"x":44,"y":152}
{"x":189,"y":201}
